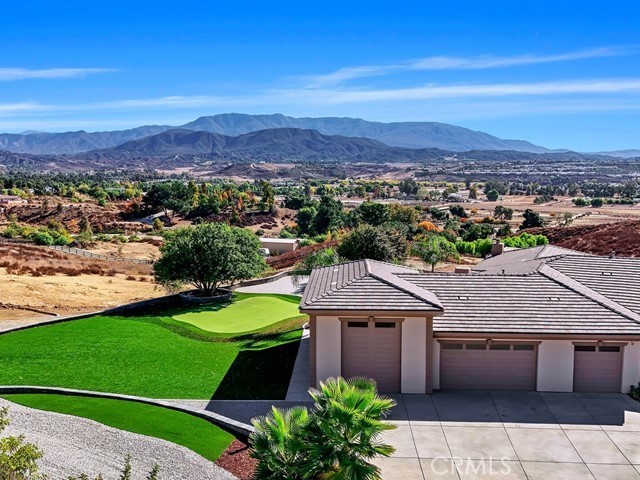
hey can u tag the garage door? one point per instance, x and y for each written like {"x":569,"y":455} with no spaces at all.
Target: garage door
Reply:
{"x":478,"y":366}
{"x":597,"y":369}
{"x":372,"y":350}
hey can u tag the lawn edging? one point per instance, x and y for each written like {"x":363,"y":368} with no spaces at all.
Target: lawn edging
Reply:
{"x":226,"y":423}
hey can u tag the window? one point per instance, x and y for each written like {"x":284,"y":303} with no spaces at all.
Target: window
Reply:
{"x":476,"y":346}
{"x":357,"y":324}
{"x":499,"y":346}
{"x":451,"y":346}
{"x":609,"y":349}
{"x":585,"y":348}
{"x":524,"y":347}
{"x":385,"y":324}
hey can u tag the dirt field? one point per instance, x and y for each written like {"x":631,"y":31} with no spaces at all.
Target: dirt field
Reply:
{"x":582,"y":215}
{"x":139,"y":250}
{"x":57,"y":283}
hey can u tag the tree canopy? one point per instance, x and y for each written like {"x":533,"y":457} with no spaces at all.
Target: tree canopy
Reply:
{"x":208,"y":256}
{"x":374,"y":243}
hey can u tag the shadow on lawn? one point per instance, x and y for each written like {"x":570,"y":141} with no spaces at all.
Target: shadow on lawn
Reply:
{"x":259,"y":374}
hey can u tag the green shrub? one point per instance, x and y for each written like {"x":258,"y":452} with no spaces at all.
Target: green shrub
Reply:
{"x":336,"y":439}
{"x":41,"y":238}
{"x":526,"y":240}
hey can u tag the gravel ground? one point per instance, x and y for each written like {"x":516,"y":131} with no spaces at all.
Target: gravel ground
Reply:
{"x":73,"y":445}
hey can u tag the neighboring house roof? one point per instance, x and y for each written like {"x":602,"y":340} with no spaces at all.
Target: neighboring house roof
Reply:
{"x":365,"y":285}
{"x":542,"y":290}
{"x":279,"y":240}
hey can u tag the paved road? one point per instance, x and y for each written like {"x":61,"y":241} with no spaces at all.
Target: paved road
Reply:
{"x":284,"y":285}
{"x":514,"y":435}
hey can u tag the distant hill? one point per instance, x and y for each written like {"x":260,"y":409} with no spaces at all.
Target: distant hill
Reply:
{"x":621,"y":153}
{"x":399,"y":134}
{"x":276,"y":145}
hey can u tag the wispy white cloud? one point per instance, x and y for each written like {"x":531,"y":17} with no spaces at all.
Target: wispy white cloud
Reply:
{"x":461,"y":63}
{"x":442,"y":100}
{"x":12,"y":74}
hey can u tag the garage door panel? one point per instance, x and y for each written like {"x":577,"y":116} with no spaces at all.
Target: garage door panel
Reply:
{"x":487,"y":369}
{"x":597,"y":369}
{"x":373,"y":353}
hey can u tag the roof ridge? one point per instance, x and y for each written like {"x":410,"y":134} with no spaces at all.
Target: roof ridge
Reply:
{"x":587,"y":292}
{"x":346,"y":284}
{"x":393,"y":283}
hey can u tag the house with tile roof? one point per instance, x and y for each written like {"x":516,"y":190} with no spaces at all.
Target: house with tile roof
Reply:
{"x":546,"y":318}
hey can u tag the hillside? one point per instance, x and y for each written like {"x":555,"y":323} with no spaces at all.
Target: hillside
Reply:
{"x":621,"y":237}
{"x":399,"y":134}
{"x":186,"y":147}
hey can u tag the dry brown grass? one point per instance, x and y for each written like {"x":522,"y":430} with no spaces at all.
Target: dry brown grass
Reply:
{"x":56,"y":282}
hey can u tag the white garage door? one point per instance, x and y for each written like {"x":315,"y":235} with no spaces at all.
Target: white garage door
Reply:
{"x":478,"y":366}
{"x":597,"y":369}
{"x":372,"y":350}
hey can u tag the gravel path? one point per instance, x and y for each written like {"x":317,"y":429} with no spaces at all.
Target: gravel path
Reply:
{"x":73,"y":445}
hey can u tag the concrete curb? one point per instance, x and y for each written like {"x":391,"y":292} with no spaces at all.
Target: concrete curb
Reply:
{"x":226,"y":423}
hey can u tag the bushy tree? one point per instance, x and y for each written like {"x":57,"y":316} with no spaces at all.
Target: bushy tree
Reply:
{"x":493,"y":195}
{"x":304,"y":219}
{"x":403,"y":214}
{"x":208,"y":256}
{"x":374,"y":243}
{"x":408,"y":186}
{"x":503,"y":213}
{"x":373,"y":213}
{"x":434,"y":249}
{"x":330,"y":215}
{"x":532,"y":219}
{"x":337,"y":439}
{"x":597,"y":202}
{"x":458,"y":211}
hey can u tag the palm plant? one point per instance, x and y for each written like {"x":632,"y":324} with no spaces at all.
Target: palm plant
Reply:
{"x":276,"y":444}
{"x":345,"y":431}
{"x":335,"y":441}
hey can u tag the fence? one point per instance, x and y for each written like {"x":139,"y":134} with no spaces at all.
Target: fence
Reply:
{"x":80,"y":252}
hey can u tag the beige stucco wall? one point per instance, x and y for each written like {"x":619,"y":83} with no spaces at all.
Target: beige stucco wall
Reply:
{"x":413,"y":377}
{"x":328,"y":348}
{"x":630,"y":366}
{"x":281,"y":247}
{"x":555,"y":366}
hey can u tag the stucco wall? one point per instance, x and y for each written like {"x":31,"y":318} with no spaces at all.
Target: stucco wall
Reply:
{"x":630,"y":366}
{"x":328,"y":348}
{"x":555,"y":366}
{"x":413,"y":376}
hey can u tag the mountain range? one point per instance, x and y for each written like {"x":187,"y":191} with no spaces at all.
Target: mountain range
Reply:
{"x":400,"y":134}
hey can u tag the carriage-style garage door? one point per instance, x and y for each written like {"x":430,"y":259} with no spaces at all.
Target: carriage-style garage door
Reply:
{"x":597,"y":368}
{"x":497,"y":366}
{"x":372,"y":350}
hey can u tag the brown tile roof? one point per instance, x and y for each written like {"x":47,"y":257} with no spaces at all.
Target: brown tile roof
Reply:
{"x":543,"y":290}
{"x":365,"y":285}
{"x":518,"y":304}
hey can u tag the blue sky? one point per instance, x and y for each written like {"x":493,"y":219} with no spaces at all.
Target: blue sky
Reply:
{"x":560,"y":74}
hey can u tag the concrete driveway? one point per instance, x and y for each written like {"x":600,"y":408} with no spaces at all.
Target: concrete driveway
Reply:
{"x":514,"y":435}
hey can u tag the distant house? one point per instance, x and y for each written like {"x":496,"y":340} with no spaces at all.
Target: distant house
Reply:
{"x":541,"y":319}
{"x":11,"y":200}
{"x":276,"y":246}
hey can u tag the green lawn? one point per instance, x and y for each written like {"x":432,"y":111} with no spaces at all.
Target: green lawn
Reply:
{"x":192,"y":432}
{"x":152,"y":356}
{"x":247,"y":313}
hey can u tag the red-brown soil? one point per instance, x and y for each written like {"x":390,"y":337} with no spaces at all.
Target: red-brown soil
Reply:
{"x":237,"y":460}
{"x":623,"y":237}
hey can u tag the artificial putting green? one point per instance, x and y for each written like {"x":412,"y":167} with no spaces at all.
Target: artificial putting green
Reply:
{"x":245,"y":313}
{"x":149,"y":354}
{"x":181,"y":428}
